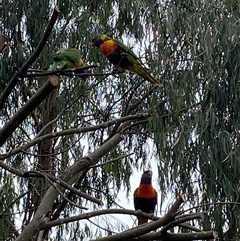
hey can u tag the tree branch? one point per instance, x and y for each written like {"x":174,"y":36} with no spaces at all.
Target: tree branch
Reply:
{"x":176,"y":237}
{"x":52,"y":178}
{"x":68,"y":72}
{"x":142,"y":229}
{"x":54,"y":184}
{"x":94,"y":214}
{"x":51,"y":194}
{"x":14,"y":80}
{"x":30,"y":105}
{"x":72,"y":131}
{"x":187,"y":226}
{"x":182,"y":220}
{"x":110,"y":161}
{"x":58,"y":181}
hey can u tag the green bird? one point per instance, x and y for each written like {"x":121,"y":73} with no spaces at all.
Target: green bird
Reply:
{"x":122,"y":56}
{"x":66,"y":58}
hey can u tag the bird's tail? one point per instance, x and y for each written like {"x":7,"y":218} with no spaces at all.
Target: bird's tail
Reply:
{"x":142,"y":220}
{"x":145,"y":74}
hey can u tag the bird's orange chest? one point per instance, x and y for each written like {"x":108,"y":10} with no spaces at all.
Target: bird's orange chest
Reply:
{"x":146,"y":191}
{"x":108,"y":47}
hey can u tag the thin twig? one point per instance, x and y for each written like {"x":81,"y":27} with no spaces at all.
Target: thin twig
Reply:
{"x":182,"y":220}
{"x":101,"y":227}
{"x":73,"y":71}
{"x":95,"y":214}
{"x":187,"y":226}
{"x":110,"y":161}
{"x":207,"y":204}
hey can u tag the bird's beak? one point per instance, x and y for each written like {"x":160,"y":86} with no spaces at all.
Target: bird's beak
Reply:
{"x":150,"y":174}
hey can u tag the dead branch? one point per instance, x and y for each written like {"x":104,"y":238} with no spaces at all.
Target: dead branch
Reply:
{"x":187,"y":226}
{"x":54,"y":184}
{"x":10,"y":169}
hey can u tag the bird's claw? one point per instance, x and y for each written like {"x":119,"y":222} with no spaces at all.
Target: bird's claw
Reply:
{"x":139,"y":211}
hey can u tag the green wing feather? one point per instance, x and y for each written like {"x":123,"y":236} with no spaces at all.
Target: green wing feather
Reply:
{"x":137,"y":66}
{"x":61,"y":64}
{"x":71,"y":54}
{"x":65,"y":58}
{"x":131,"y":55}
{"x":126,"y":49}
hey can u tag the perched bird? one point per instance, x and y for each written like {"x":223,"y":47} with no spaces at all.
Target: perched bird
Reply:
{"x":145,"y":196}
{"x":121,"y":56}
{"x":66,"y":58}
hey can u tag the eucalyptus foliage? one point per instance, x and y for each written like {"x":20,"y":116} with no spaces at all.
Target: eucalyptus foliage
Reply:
{"x":191,"y":47}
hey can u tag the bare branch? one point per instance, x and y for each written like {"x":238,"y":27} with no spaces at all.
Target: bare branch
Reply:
{"x":53,"y":184}
{"x":207,"y":204}
{"x":182,"y":220}
{"x":68,"y":72}
{"x":11,"y":169}
{"x":187,"y":226}
{"x":94,"y":214}
{"x":58,"y":181}
{"x":30,"y":105}
{"x":72,"y":131}
{"x":176,"y":237}
{"x":52,"y":178}
{"x":110,"y":161}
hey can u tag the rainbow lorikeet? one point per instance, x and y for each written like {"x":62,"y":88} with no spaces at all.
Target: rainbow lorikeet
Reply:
{"x":145,"y":196}
{"x":66,"y":58}
{"x":121,"y":56}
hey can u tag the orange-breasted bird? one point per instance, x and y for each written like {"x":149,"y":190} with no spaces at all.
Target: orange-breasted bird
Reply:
{"x":122,"y":56}
{"x":145,"y":196}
